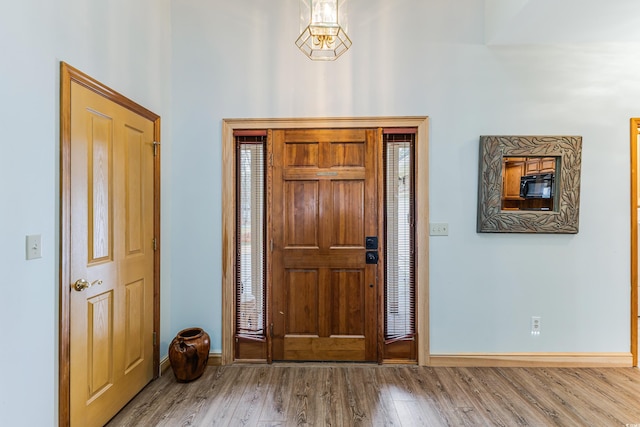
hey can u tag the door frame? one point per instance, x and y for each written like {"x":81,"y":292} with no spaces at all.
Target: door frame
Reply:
{"x":634,"y":199}
{"x":229,"y":214}
{"x":69,"y":75}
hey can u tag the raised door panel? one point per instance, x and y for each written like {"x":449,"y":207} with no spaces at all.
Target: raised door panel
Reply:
{"x":301,"y":290}
{"x":100,"y":344}
{"x":347,"y":154}
{"x":134,"y":325}
{"x":301,"y":211}
{"x":299,"y":154}
{"x":347,"y":301}
{"x":134,"y":194}
{"x":347,"y":213}
{"x":99,"y":177}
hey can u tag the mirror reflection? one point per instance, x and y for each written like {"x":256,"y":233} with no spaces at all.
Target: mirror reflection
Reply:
{"x":528,"y":183}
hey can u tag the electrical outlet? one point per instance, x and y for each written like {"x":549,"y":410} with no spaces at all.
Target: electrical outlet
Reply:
{"x":438,"y":229}
{"x":535,"y":325}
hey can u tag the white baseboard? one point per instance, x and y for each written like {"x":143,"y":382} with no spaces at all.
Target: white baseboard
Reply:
{"x":561,"y":360}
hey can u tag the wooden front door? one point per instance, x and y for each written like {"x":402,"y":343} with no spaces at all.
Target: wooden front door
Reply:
{"x":111,"y":264}
{"x":324,"y":205}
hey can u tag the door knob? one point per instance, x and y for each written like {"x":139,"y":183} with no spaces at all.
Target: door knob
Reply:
{"x":82,"y":284}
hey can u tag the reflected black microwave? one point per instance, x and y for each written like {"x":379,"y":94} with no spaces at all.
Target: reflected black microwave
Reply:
{"x":538,"y":186}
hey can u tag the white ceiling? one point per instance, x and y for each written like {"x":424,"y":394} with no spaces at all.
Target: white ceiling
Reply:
{"x":561,"y":21}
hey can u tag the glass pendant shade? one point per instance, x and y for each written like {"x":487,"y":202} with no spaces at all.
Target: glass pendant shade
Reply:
{"x":323,"y":25}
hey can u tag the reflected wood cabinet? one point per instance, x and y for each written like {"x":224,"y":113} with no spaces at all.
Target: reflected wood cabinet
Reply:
{"x":513,"y":169}
{"x":536,"y":165}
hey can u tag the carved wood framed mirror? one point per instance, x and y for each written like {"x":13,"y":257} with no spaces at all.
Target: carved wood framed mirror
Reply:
{"x":529,"y":184}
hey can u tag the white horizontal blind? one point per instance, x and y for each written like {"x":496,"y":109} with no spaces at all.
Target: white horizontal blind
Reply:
{"x":399,"y":262}
{"x":250,"y":253}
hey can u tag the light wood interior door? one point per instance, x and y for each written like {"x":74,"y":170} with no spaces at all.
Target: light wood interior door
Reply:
{"x":112,"y":232}
{"x":325,"y":202}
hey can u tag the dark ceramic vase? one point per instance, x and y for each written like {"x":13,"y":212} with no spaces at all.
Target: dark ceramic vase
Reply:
{"x":189,"y":353}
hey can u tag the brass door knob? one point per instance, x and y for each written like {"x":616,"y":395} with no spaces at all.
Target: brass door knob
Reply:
{"x":82,"y":284}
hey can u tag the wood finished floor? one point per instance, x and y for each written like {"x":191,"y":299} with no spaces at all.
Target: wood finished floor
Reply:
{"x":372,"y":395}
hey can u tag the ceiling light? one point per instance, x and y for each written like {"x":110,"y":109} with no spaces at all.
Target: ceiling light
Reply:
{"x":323,"y":26}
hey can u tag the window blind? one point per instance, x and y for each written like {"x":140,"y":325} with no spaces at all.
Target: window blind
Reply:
{"x":399,"y":225}
{"x":250,"y":254}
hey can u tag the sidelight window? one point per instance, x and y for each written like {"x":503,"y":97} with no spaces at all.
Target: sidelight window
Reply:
{"x":250,"y":217}
{"x":399,"y":225}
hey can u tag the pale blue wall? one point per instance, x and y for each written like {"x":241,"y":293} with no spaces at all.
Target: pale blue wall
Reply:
{"x":422,"y":58}
{"x":125,"y":45}
{"x":196,"y":62}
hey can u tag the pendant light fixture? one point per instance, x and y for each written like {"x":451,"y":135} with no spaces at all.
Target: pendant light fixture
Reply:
{"x":323,"y":26}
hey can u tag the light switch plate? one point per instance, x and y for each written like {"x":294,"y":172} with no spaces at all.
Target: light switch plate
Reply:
{"x":34,"y":246}
{"x":439,"y":229}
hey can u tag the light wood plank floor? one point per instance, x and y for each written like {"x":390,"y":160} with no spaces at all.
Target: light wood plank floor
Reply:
{"x":372,"y":395}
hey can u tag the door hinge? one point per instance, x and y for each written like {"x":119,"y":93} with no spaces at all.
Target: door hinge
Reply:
{"x":271,"y":245}
{"x":154,"y":337}
{"x":156,"y":144}
{"x":271,"y":330}
{"x":155,"y":244}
